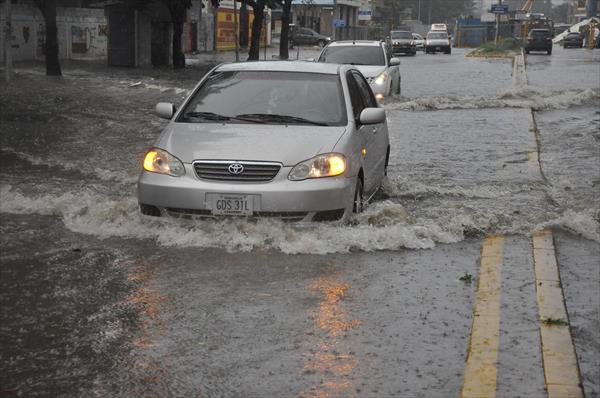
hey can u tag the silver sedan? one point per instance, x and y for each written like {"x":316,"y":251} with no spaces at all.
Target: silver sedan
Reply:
{"x":297,"y":141}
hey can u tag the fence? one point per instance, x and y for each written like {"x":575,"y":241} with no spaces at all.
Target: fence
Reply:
{"x":474,"y":32}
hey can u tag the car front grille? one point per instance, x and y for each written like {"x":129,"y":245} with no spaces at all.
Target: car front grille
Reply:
{"x":252,"y":171}
{"x":292,"y":216}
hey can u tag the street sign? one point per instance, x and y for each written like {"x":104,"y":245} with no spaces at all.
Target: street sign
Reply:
{"x":364,"y":15}
{"x":499,"y":9}
{"x":339,"y":23}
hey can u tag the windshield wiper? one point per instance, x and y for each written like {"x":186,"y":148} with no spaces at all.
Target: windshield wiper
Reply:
{"x":205,"y":115}
{"x":268,"y":117}
{"x":214,"y":116}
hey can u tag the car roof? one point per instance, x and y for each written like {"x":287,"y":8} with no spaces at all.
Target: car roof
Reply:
{"x":355,"y":43}
{"x":282,"y":66}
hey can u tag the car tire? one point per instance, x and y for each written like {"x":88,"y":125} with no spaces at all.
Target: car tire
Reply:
{"x":149,"y":210}
{"x":549,"y":52}
{"x":387,"y":161}
{"x":358,"y":203}
{"x":526,"y":51}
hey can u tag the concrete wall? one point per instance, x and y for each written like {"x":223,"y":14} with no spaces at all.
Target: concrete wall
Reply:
{"x":82,"y":33}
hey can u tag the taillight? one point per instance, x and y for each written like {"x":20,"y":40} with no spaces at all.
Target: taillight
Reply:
{"x":530,"y":39}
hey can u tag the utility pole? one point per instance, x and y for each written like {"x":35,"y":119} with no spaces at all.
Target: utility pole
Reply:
{"x":497,"y":24}
{"x":419,"y":12}
{"x":7,"y":39}
{"x":235,"y":32}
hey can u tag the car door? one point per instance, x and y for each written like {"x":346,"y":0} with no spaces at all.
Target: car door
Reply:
{"x":373,"y":137}
{"x":304,"y":36}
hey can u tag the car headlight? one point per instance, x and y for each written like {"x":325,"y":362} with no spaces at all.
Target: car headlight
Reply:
{"x":379,"y":80}
{"x":326,"y":165}
{"x":159,"y":161}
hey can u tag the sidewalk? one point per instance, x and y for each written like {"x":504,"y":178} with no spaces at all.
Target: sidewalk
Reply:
{"x":269,"y":54}
{"x":196,"y":65}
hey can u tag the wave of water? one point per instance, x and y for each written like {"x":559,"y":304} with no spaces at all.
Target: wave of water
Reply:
{"x":383,"y":226}
{"x":102,"y":174}
{"x":518,"y":97}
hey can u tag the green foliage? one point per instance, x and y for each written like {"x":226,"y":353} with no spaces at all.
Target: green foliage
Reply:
{"x":467,"y":278}
{"x":504,"y":45}
{"x":555,"y":322}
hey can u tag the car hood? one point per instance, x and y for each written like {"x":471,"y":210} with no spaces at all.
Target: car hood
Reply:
{"x":370,"y":70}
{"x":259,"y":142}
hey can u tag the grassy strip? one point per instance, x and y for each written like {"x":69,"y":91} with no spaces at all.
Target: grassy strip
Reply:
{"x":506,"y":48}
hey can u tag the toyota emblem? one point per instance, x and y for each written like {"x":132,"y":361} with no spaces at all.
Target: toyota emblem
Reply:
{"x":236,"y":168}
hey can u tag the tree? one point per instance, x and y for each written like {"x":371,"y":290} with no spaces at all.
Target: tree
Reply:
{"x":285,"y":29}
{"x":48,"y":9}
{"x":243,"y":24}
{"x":177,"y":9}
{"x":258,"y":6}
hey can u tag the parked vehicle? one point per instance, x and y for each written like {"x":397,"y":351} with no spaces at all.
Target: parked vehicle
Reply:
{"x":402,"y":42}
{"x":306,"y":36}
{"x":298,"y":141}
{"x":539,"y":40}
{"x":419,"y":41}
{"x":573,"y":39}
{"x":437,"y":41}
{"x":373,"y":59}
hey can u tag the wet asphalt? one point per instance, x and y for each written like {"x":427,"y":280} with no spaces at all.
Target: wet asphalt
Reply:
{"x":98,"y":301}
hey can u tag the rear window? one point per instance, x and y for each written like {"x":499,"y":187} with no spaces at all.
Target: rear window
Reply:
{"x":401,"y":35}
{"x":539,"y":33}
{"x":313,"y":96}
{"x":437,"y":35}
{"x":354,"y":55}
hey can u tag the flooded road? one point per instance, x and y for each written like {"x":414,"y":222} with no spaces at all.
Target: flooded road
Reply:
{"x":99,"y":300}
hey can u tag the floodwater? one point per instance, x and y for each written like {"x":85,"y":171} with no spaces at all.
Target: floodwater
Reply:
{"x":99,"y":300}
{"x":437,"y":193}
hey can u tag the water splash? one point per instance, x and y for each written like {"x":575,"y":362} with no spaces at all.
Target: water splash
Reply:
{"x":517,"y":97}
{"x":385,"y":225}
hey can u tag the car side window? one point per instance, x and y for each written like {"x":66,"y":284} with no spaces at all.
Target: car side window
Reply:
{"x":365,"y":91}
{"x":356,"y":97}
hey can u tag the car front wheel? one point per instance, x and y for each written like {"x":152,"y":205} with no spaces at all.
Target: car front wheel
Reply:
{"x":358,"y":204}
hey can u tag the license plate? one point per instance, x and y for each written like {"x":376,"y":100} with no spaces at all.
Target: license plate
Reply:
{"x":232,"y":205}
{"x":438,"y":48}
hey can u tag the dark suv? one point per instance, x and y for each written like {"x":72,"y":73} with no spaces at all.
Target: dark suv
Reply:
{"x":539,"y":40}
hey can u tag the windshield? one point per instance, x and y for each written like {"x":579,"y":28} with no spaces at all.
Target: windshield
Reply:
{"x":401,"y":35}
{"x":267,"y":97}
{"x":353,"y":54}
{"x":437,"y":35}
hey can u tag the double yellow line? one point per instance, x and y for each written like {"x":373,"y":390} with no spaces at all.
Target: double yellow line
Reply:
{"x":561,"y":370}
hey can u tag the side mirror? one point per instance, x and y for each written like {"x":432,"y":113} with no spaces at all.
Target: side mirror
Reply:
{"x":372,"y":116}
{"x":166,"y":110}
{"x":394,"y":61}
